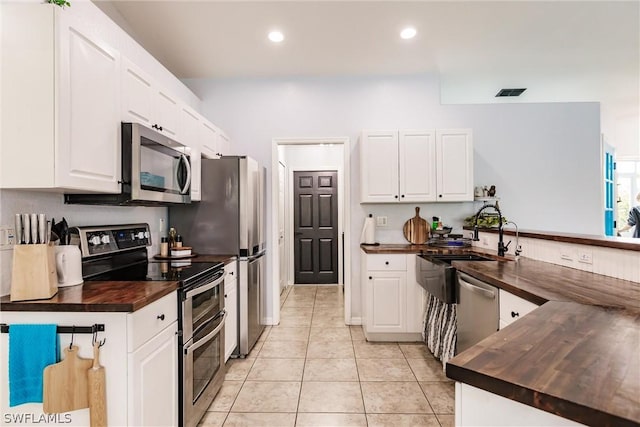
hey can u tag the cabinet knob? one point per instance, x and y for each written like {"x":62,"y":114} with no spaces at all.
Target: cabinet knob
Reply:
{"x":515,"y":314}
{"x":225,"y":295}
{"x":231,"y":273}
{"x":161,"y":317}
{"x":386,"y":263}
{"x":370,"y":277}
{"x":402,"y":196}
{"x":160,"y":128}
{"x":439,"y":195}
{"x":396,"y":196}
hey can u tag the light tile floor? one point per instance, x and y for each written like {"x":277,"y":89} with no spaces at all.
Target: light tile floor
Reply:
{"x":313,"y":370}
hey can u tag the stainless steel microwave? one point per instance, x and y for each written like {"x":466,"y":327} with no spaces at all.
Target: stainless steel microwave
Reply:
{"x":156,"y":170}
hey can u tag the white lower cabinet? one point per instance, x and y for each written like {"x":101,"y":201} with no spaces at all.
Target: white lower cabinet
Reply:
{"x":231,"y":307}
{"x":394,"y":302}
{"x":477,"y":407}
{"x":140,"y":358}
{"x":153,"y":385}
{"x":512,"y":308}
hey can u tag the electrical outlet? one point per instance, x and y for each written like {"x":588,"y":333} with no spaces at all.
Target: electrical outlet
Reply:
{"x":585,"y":257}
{"x":7,"y":237}
{"x":566,"y":256}
{"x":381,"y":221}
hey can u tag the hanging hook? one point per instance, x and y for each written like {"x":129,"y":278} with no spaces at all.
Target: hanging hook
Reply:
{"x":94,"y":339}
{"x":73,"y":330}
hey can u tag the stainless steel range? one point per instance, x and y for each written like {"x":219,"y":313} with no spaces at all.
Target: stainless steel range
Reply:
{"x":119,"y":252}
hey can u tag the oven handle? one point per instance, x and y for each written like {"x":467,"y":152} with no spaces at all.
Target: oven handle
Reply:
{"x":204,"y":288}
{"x":187,"y":183}
{"x":202,"y":341}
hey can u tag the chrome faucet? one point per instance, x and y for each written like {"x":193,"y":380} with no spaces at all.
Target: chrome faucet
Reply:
{"x":502,"y":249}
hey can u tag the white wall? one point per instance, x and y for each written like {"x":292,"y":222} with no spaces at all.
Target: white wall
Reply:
{"x":543,"y":158}
{"x":12,"y":202}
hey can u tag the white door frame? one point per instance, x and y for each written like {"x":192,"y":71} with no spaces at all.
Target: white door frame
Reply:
{"x":346,"y":218}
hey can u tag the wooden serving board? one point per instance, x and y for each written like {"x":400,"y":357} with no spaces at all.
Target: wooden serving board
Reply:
{"x":416,"y":230}
{"x":169,"y":257}
{"x":66,"y":383}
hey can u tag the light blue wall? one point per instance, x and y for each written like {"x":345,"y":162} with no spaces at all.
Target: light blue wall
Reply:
{"x":543,"y":158}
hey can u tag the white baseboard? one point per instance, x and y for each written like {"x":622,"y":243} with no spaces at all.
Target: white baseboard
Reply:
{"x":356,"y":321}
{"x":268,"y":321}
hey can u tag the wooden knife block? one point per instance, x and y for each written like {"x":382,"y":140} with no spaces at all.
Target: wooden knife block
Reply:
{"x":34,"y":274}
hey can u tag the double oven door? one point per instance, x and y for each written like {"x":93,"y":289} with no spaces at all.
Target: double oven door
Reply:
{"x":203,"y":319}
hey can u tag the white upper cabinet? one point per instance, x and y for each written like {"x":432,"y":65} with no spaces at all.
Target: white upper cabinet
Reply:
{"x":416,"y":166}
{"x":454,"y":160}
{"x":144,"y":101}
{"x":60,"y":102}
{"x":190,"y":136}
{"x":137,"y":94}
{"x":379,"y":166}
{"x":224,"y":144}
{"x":209,"y":140}
{"x":168,"y":113}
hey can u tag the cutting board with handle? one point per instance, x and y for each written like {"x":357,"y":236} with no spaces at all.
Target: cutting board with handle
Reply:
{"x":66,"y":383}
{"x":416,"y":229}
{"x":97,"y":391}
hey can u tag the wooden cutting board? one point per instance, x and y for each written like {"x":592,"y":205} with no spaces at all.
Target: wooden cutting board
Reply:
{"x":66,"y":383}
{"x":97,"y":391}
{"x":416,"y":230}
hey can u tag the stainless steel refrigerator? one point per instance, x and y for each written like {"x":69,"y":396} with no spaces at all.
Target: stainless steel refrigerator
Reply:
{"x":230,"y":220}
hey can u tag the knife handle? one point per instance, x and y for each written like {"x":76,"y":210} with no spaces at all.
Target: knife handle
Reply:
{"x":34,"y":228}
{"x":42,"y":228}
{"x":26,"y":227}
{"x":18,"y":229}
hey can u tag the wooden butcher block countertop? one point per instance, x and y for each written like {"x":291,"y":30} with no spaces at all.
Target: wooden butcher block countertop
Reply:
{"x":576,"y":356}
{"x":577,"y":361}
{"x":98,"y":296}
{"x":106,"y":296}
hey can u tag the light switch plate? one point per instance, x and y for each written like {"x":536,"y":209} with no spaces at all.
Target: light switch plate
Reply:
{"x":381,"y":221}
{"x":7,"y":238}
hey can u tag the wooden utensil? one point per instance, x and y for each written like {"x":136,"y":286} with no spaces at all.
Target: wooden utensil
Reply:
{"x":66,"y":383}
{"x":416,"y":230}
{"x":97,"y":391}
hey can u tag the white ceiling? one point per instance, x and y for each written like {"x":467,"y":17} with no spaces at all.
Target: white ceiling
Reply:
{"x":559,"y":50}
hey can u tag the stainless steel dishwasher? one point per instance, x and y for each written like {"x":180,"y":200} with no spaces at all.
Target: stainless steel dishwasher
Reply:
{"x":478,"y":311}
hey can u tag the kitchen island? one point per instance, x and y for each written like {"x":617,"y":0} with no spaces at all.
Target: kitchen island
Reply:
{"x":576,"y":356}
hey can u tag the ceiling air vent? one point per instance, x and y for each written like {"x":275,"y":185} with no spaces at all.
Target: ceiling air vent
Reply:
{"x":510,"y":92}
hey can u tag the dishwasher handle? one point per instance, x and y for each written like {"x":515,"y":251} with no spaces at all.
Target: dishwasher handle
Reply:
{"x":476,"y":286}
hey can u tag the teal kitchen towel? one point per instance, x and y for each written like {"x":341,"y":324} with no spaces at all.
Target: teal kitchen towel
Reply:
{"x":31,"y":349}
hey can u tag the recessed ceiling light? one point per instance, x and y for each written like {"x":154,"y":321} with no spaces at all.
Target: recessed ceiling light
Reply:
{"x":408,"y":33}
{"x":276,"y":36}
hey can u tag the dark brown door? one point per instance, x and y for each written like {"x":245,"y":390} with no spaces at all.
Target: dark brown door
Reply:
{"x":315,"y":226}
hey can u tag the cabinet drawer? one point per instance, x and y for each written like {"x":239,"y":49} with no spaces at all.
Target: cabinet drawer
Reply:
{"x":231,"y":271}
{"x":386,"y":262}
{"x":512,"y":307}
{"x":144,"y":324}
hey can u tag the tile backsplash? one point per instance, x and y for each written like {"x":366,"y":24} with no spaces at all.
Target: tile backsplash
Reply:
{"x":619,"y":263}
{"x":13,"y":201}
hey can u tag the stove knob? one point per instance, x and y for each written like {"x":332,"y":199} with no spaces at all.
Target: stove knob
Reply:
{"x":94,"y":240}
{"x":146,"y":234}
{"x":140,"y":235}
{"x":105,"y":239}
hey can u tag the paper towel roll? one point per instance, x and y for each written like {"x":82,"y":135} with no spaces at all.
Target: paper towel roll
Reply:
{"x":368,"y":231}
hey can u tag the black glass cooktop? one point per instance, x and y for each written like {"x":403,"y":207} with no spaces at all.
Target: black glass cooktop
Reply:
{"x":144,"y":270}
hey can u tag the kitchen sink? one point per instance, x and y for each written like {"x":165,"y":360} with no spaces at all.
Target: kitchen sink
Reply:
{"x":436,"y":275}
{"x":447,"y":258}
